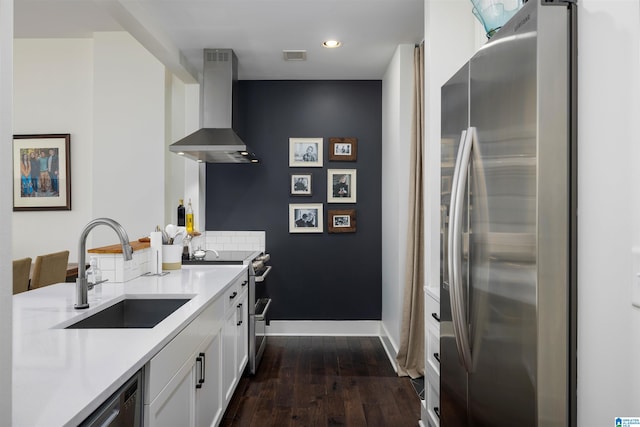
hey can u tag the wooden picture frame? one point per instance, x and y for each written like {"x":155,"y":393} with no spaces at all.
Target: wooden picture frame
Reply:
{"x":305,"y":218}
{"x":343,"y":149}
{"x":341,"y":221}
{"x":305,"y":152}
{"x":42,"y":172}
{"x":300,"y":184}
{"x":341,"y":185}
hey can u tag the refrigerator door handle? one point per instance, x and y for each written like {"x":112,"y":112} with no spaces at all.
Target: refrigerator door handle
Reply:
{"x":456,"y":294}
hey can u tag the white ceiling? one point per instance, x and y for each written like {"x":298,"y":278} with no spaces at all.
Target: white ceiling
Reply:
{"x":177,"y":31}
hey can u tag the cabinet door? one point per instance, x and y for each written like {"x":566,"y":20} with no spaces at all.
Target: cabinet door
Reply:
{"x":242,"y":324}
{"x":175,"y":405}
{"x":209,"y":394}
{"x":229,"y":350}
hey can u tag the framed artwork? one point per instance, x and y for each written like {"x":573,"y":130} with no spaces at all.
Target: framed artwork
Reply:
{"x":305,"y":218}
{"x":305,"y":152}
{"x":300,"y":184}
{"x":341,"y":221}
{"x":42,"y":172}
{"x":343,"y":149}
{"x":341,"y":185}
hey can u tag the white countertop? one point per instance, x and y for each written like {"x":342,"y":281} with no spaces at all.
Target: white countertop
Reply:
{"x":60,"y":376}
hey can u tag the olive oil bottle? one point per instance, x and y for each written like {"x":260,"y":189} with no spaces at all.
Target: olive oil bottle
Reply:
{"x":189,"y":218}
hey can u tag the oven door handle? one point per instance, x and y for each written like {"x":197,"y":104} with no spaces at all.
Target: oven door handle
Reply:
{"x":261,"y":277}
{"x":261,"y":316}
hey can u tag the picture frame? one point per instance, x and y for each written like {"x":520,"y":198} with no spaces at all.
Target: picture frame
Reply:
{"x":305,"y":218}
{"x":300,"y":184}
{"x":305,"y":152}
{"x":341,"y":185}
{"x":341,"y":221}
{"x":343,"y":149}
{"x":33,"y":188}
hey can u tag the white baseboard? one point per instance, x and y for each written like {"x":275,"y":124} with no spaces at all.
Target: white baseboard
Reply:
{"x":389,"y":347}
{"x":358,"y":328}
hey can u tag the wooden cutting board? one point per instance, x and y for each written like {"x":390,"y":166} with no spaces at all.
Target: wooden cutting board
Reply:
{"x":117,"y":248}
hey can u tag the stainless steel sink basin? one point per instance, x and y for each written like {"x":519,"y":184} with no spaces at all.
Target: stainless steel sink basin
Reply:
{"x":131,"y":313}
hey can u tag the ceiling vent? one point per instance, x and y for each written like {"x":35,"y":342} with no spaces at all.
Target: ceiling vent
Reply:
{"x":294,"y":55}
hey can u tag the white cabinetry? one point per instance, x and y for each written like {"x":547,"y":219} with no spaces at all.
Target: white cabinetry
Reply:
{"x":432,"y":366}
{"x":188,"y":383}
{"x":209,"y":407}
{"x":235,"y":343}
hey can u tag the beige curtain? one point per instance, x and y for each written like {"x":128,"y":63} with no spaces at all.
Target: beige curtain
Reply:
{"x":411,"y":353}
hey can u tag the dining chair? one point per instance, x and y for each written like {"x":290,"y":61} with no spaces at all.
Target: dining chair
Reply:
{"x":49,"y":269}
{"x":21,"y":270}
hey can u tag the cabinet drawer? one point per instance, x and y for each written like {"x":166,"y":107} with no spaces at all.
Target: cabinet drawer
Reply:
{"x":164,"y":365}
{"x":433,"y":404}
{"x":432,"y":310}
{"x":433,"y":349}
{"x":235,"y":291}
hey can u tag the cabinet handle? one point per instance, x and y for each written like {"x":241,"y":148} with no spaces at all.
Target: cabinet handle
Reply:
{"x":437,"y":356}
{"x":435,"y":316}
{"x":200,"y":381}
{"x":437,"y":411}
{"x":233,"y":295}
{"x":240,"y":305}
{"x":204,"y":363}
{"x":239,"y":323}
{"x":244,"y":283}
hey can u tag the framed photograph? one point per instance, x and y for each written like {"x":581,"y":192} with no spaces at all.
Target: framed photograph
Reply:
{"x":41,"y":172}
{"x":305,"y":218}
{"x":341,"y":221}
{"x":343,"y":149}
{"x":341,"y":185}
{"x":300,"y":184}
{"x":305,"y":152}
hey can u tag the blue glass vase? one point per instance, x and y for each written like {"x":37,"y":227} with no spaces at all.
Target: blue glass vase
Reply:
{"x":493,"y":14}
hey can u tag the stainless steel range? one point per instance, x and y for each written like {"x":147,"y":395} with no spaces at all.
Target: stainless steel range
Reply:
{"x":258,"y":269}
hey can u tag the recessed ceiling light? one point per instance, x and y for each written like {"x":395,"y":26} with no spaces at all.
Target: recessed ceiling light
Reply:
{"x":331,"y":43}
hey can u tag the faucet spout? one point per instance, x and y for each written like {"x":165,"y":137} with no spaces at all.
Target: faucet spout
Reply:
{"x":82,"y":300}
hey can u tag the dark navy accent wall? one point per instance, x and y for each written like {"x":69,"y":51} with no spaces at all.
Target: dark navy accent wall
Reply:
{"x":315,"y":276}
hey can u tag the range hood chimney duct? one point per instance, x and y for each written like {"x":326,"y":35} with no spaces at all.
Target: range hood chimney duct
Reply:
{"x":216,"y":142}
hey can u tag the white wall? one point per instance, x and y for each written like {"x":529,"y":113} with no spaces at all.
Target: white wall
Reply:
{"x":109,"y":94}
{"x":609,"y":210}
{"x":129,"y":136}
{"x":53,"y":94}
{"x":6,"y":200}
{"x":397,"y":101}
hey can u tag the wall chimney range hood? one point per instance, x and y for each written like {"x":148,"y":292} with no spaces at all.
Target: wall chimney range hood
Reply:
{"x":216,"y":142}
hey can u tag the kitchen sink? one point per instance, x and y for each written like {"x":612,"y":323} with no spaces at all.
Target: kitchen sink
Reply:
{"x":131,"y":313}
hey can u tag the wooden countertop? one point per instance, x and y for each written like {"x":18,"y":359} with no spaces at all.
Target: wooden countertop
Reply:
{"x":117,"y":248}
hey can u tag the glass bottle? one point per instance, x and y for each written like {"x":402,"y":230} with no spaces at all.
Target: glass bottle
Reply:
{"x":94,"y":275}
{"x":189,"y":218}
{"x":181,"y":213}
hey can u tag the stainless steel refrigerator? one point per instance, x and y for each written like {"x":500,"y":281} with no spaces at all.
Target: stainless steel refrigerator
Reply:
{"x":508,"y":227}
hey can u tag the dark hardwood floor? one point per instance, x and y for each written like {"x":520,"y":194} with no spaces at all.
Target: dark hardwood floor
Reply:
{"x":324,"y":381}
